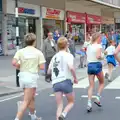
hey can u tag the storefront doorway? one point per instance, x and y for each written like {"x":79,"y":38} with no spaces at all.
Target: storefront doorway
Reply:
{"x":93,"y":23}
{"x":53,"y":19}
{"x":76,"y":25}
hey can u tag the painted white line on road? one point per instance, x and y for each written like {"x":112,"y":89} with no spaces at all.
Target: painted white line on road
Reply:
{"x":52,"y":95}
{"x":83,"y":83}
{"x":11,"y":98}
{"x":86,"y":96}
{"x":117,"y":98}
{"x":115,"y":84}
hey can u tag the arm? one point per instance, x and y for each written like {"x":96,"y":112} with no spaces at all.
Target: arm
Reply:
{"x":72,"y":69}
{"x":41,"y":59}
{"x":116,"y":53}
{"x":16,"y":60}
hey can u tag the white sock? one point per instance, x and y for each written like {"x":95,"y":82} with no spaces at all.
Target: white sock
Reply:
{"x":16,"y":119}
{"x":89,"y":103}
{"x":64,"y":114}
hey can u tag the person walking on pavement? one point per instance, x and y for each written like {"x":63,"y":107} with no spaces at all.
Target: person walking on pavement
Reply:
{"x":71,"y":44}
{"x":62,"y":70}
{"x":49,"y":50}
{"x":94,"y":57}
{"x":30,"y":60}
{"x":104,"y":41}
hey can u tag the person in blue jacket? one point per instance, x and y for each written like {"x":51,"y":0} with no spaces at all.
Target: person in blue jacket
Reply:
{"x":56,"y":36}
{"x":104,"y":41}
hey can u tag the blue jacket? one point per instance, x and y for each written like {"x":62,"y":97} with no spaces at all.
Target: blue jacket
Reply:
{"x":55,"y":37}
{"x":104,"y":40}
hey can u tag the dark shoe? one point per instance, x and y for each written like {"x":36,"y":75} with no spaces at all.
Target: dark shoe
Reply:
{"x":89,"y":109}
{"x":98,"y":103}
{"x":61,"y":117}
{"x":48,"y":80}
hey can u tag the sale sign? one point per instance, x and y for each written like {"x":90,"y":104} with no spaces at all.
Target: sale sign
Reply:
{"x":51,"y":13}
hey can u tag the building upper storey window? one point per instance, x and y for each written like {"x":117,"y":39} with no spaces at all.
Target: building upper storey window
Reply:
{"x":114,"y":2}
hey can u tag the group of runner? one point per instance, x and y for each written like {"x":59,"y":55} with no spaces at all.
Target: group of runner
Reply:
{"x":61,"y":67}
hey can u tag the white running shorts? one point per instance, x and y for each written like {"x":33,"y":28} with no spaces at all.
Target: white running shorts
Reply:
{"x":28,"y":80}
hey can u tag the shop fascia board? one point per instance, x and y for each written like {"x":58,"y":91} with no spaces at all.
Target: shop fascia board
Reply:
{"x":108,"y":5}
{"x":97,"y":4}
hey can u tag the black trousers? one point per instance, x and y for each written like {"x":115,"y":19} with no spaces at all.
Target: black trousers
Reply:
{"x":47,"y":77}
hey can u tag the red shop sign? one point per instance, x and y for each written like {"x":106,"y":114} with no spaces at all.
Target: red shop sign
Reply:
{"x":93,"y":19}
{"x":75,"y":17}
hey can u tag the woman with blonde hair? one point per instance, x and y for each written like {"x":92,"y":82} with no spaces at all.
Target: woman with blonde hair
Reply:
{"x":94,"y":57}
{"x":30,"y":60}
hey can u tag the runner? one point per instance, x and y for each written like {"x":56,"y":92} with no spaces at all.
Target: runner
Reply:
{"x":62,"y":69}
{"x":94,"y":57}
{"x":30,"y":60}
{"x":110,"y":59}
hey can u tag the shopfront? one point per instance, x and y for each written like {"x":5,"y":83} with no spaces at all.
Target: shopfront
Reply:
{"x":28,"y":14}
{"x":108,"y":24}
{"x":117,"y":24}
{"x":76,"y":25}
{"x":52,"y":19}
{"x":93,"y":23}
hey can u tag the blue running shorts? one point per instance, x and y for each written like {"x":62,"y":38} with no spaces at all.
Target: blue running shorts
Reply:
{"x":94,"y":68}
{"x":65,"y":87}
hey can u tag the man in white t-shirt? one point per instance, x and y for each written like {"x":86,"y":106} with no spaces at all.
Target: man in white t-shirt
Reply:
{"x":63,"y":75}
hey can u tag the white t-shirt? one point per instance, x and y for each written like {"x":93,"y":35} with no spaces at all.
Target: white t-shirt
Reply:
{"x":92,"y":52}
{"x":59,"y":66}
{"x":110,"y":50}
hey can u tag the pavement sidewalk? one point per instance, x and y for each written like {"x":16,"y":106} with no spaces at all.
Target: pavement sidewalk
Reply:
{"x":8,"y":78}
{"x":8,"y":84}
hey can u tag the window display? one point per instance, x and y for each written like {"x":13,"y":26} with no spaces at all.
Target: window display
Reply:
{"x":78,"y":32}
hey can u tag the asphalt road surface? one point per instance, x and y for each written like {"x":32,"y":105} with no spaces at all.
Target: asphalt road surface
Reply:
{"x":46,"y":105}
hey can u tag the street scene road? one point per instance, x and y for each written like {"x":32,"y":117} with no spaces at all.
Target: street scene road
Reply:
{"x":45,"y":100}
{"x":46,"y":106}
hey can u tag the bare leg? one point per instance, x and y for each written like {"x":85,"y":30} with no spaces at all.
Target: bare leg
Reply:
{"x":70,"y":99}
{"x":59,"y":100}
{"x":110,"y":69}
{"x":100,"y":77}
{"x":28,"y":95}
{"x":91,"y":86}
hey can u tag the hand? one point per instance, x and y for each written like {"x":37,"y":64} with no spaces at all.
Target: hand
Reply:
{"x":75,"y":81}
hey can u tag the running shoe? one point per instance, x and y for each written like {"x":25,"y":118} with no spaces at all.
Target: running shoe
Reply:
{"x":61,"y":117}
{"x":30,"y":113}
{"x":36,"y":118}
{"x":106,"y":75}
{"x":97,"y":102}
{"x":89,"y":107}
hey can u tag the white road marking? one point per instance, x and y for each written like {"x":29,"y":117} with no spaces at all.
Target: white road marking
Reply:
{"x":86,"y":96}
{"x":83,"y":83}
{"x":115,"y":84}
{"x":117,"y":98}
{"x":52,"y":95}
{"x":11,"y":98}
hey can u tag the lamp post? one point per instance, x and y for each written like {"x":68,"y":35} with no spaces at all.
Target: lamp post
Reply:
{"x":17,"y":37}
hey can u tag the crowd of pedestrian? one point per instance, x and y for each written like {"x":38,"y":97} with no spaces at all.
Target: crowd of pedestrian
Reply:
{"x":58,"y":54}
